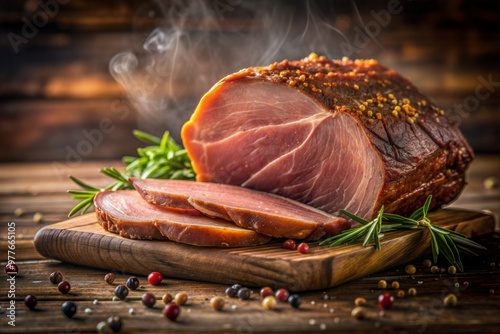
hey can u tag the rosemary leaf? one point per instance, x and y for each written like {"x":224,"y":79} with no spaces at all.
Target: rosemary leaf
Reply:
{"x":354,"y":217}
{"x":162,"y":159}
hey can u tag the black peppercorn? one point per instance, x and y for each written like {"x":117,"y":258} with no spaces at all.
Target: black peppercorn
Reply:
{"x":231,"y":292}
{"x":69,"y":309}
{"x":244,"y":293}
{"x":115,"y":323}
{"x":133,"y":283}
{"x":121,"y":291}
{"x":294,"y":301}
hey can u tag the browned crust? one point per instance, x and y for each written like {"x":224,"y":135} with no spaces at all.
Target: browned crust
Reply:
{"x":401,"y":123}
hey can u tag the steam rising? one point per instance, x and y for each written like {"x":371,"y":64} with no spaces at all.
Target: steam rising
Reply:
{"x":199,"y":42}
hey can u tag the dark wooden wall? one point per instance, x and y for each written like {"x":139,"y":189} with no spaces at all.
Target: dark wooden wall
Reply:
{"x":58,"y":100}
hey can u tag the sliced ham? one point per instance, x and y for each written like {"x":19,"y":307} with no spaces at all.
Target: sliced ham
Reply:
{"x":264,"y":213}
{"x":125,"y":212}
{"x":351,"y":135}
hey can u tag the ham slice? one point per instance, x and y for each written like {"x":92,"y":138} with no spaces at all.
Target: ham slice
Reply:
{"x":126,"y":213}
{"x":264,"y":213}
{"x":331,"y":134}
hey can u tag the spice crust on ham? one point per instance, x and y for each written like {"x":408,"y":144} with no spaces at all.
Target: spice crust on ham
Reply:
{"x":332,"y":134}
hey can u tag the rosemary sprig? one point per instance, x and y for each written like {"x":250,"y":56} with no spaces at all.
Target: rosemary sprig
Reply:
{"x":443,"y":241}
{"x":163,"y":158}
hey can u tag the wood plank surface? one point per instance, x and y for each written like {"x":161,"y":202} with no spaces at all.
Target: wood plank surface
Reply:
{"x":37,"y":187}
{"x":82,"y":241}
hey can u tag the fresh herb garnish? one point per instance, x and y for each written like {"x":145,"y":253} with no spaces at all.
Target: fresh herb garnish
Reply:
{"x":443,"y":241}
{"x":162,"y":159}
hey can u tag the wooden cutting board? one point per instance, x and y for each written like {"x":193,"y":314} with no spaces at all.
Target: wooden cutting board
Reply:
{"x":82,"y":241}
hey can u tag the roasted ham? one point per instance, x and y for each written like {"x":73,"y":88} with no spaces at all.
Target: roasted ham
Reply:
{"x":264,"y":213}
{"x":126,"y":213}
{"x":351,"y":135}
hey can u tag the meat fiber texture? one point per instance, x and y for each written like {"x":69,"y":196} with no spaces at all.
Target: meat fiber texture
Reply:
{"x":265,"y":213}
{"x":126,"y":213}
{"x":331,"y":134}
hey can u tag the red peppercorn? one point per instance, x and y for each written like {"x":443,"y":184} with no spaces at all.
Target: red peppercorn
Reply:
{"x":171,"y":311}
{"x":288,"y":244}
{"x":11,"y":269}
{"x":303,"y":248}
{"x":30,"y":302}
{"x":148,"y":299}
{"x":282,"y":295}
{"x":386,"y":300}
{"x":64,"y":287}
{"x":155,"y":278}
{"x":266,"y":291}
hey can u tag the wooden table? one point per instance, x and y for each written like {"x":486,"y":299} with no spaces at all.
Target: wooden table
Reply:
{"x":40,"y":187}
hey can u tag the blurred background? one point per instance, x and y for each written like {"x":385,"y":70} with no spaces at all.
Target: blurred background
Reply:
{"x":76,"y":77}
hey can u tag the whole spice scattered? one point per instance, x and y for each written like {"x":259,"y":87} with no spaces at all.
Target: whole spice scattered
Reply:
{"x":410,"y":269}
{"x":382,"y":284}
{"x":386,"y":300}
{"x":288,"y":244}
{"x":64,"y":287}
{"x":103,"y":327}
{"x":490,"y":182}
{"x":131,"y":311}
{"x":155,"y":278}
{"x":236,"y":286}
{"x":18,"y":212}
{"x":171,"y":311}
{"x":266,"y":291}
{"x":427,"y":263}
{"x":244,"y":293}
{"x":395,"y":285}
{"x":132,"y":283}
{"x":115,"y":323}
{"x":11,"y":269}
{"x":231,"y":292}
{"x":167,"y":298}
{"x":294,"y":301}
{"x":38,"y":217}
{"x":30,"y":301}
{"x":434,"y":269}
{"x":444,"y":242}
{"x":450,"y":300}
{"x":282,"y":295}
{"x":181,"y":298}
{"x":217,"y":303}
{"x":121,"y":291}
{"x":109,"y":278}
{"x":163,"y":158}
{"x":360,"y":301}
{"x":56,"y":277}
{"x":452,"y":270}
{"x":69,"y":309}
{"x":269,"y":302}
{"x":412,"y":291}
{"x":358,"y":313}
{"x":88,"y":311}
{"x":303,"y":248}
{"x":148,"y":299}
{"x":492,"y":291}
{"x":400,"y":293}
{"x":466,"y":284}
